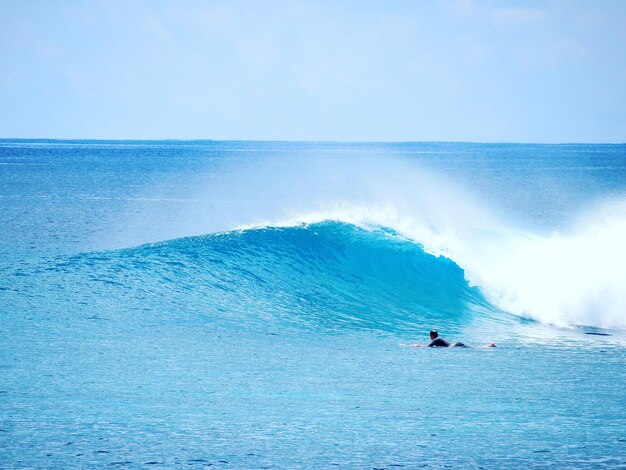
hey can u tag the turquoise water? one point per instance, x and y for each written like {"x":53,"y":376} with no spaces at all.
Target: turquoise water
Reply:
{"x":241,"y":305}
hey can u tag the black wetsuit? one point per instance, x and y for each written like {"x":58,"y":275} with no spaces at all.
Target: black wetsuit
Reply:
{"x":438,"y":343}
{"x":442,"y":343}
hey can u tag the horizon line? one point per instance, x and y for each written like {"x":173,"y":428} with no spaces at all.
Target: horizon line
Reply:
{"x":503,"y":142}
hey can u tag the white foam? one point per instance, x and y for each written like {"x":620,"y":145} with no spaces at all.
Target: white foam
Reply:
{"x":575,"y":278}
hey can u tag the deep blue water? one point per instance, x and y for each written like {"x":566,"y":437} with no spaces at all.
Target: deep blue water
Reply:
{"x":242,"y":304}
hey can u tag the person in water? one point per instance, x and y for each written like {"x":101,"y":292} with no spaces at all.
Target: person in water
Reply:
{"x":438,"y":342}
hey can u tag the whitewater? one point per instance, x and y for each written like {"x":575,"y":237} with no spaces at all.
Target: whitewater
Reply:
{"x":241,"y":304}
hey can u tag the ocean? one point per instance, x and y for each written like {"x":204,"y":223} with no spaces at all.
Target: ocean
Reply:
{"x":170,"y":304}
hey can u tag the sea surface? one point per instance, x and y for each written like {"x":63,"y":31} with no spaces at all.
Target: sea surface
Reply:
{"x":195,"y":304}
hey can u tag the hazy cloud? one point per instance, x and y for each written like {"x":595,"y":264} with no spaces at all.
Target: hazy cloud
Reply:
{"x":301,"y":69}
{"x":514,"y":16}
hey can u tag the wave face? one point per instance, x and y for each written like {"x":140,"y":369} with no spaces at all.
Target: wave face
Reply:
{"x":327,"y":276}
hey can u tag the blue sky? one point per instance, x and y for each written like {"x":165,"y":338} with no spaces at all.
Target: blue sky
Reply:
{"x":525,"y":71}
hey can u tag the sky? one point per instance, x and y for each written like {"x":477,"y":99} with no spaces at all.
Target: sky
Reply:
{"x":352,"y":70}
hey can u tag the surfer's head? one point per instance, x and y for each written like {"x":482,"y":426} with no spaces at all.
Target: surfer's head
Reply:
{"x":433,"y":334}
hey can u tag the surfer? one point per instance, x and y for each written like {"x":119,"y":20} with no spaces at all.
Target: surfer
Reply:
{"x":438,"y":342}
